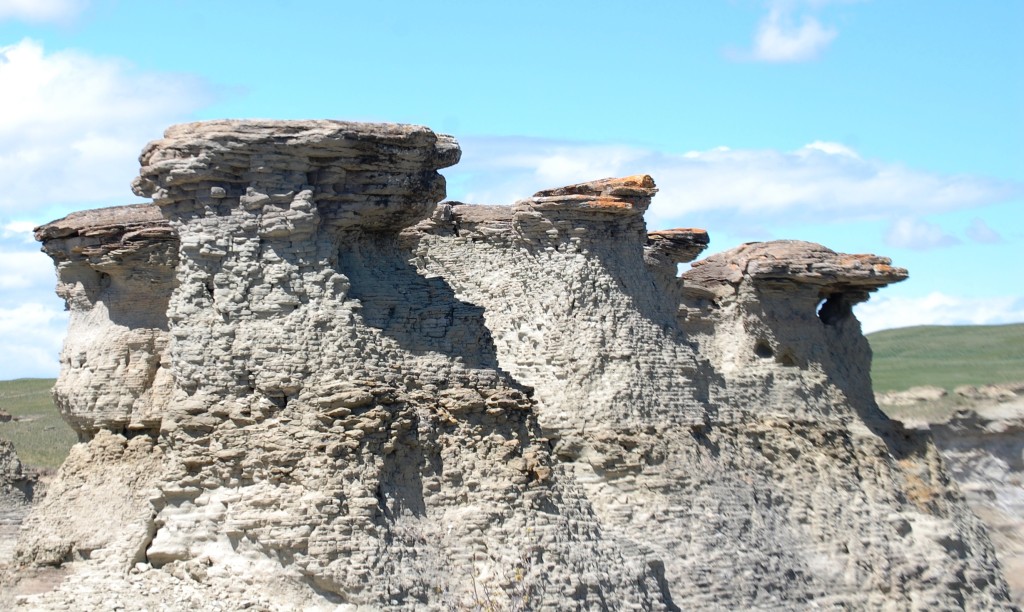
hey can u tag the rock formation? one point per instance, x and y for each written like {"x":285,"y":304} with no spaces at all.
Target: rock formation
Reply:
{"x":115,"y":271}
{"x":300,"y":382}
{"x":18,"y":488}
{"x":982,"y":445}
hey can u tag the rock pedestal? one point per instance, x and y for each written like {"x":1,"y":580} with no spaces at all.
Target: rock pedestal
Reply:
{"x":366,"y":398}
{"x":115,"y":271}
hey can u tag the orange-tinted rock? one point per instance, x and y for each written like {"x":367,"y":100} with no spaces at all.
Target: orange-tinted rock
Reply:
{"x":620,"y":196}
{"x":680,"y":245}
{"x":792,"y":261}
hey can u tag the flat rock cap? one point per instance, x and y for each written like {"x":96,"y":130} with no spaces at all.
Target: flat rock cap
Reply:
{"x":376,"y":176}
{"x":680,"y":245}
{"x":792,"y":261}
{"x":113,"y":223}
{"x":629,"y":195}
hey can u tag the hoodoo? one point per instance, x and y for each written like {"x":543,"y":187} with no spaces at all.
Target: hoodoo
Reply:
{"x":301,"y":382}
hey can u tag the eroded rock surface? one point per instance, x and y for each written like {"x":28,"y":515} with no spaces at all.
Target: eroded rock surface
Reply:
{"x":115,"y":271}
{"x":368,"y":399}
{"x":983,"y":447}
{"x":17,"y":492}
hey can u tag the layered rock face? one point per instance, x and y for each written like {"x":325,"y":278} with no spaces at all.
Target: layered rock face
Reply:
{"x":366,"y":399}
{"x":115,"y":270}
{"x":17,"y":491}
{"x":983,"y":447}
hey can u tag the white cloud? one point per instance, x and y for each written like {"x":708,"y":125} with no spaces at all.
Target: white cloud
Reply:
{"x":18,"y":229}
{"x":32,"y":317}
{"x":938,"y":309}
{"x":779,"y":39}
{"x":30,"y":339}
{"x":911,"y":233}
{"x":791,"y":31}
{"x":729,"y":187}
{"x":72,"y":125}
{"x":979,"y":231}
{"x":829,"y":148}
{"x":25,"y":269}
{"x":59,"y":11}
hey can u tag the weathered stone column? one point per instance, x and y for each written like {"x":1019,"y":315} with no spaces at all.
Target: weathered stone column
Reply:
{"x":115,"y":271}
{"x":765,"y":312}
{"x":336,"y":410}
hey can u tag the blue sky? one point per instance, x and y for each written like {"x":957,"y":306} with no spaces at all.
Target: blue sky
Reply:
{"x":887,"y":126}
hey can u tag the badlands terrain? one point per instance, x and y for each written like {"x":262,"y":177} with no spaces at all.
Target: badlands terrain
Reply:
{"x":300,"y":380}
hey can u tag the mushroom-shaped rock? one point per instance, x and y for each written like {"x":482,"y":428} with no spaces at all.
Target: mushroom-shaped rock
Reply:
{"x":782,"y":264}
{"x":115,"y":270}
{"x":787,"y":303}
{"x":581,"y":217}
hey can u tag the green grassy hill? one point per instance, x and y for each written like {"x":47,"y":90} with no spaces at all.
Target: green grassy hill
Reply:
{"x":40,"y":436}
{"x":947,"y":356}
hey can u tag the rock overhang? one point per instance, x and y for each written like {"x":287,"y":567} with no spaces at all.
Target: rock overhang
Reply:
{"x":371,"y":176}
{"x":114,"y":231}
{"x":680,"y":245}
{"x":791,"y":264}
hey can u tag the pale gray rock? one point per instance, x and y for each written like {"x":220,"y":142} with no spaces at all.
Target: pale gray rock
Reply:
{"x":999,"y":392}
{"x":716,"y":417}
{"x":374,"y":401}
{"x":18,"y":489}
{"x":115,"y":271}
{"x":983,"y":448}
{"x":911,"y":396}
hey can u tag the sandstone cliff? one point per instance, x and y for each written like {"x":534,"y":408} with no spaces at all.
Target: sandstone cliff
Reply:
{"x":300,"y":382}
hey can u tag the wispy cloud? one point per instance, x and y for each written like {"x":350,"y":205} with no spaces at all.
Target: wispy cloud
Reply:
{"x":938,"y":308}
{"x":822,"y":181}
{"x":38,"y":11}
{"x":71,"y":128}
{"x":18,"y":229}
{"x":979,"y":231}
{"x":917,"y":234}
{"x":781,"y":39}
{"x":30,"y":339}
{"x":790,"y":31}
{"x":22,"y":269}
{"x":72,"y":125}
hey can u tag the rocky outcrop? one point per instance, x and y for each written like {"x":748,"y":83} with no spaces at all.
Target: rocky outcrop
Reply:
{"x":764,"y":313}
{"x":115,"y":271}
{"x":375,"y":400}
{"x":982,"y":444}
{"x":17,"y":491}
{"x":686,"y":448}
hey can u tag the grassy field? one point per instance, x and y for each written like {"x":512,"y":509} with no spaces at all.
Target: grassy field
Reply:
{"x":40,"y":436}
{"x":947,"y":356}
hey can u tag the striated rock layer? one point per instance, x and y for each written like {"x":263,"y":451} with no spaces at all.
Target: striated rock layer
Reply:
{"x":300,"y":382}
{"x":983,"y":447}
